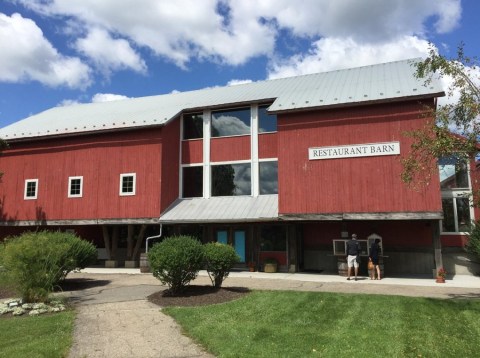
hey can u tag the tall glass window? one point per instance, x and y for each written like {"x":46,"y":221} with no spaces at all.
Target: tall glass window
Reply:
{"x":268,"y":177}
{"x":453,"y":173}
{"x":231,"y":122}
{"x":456,"y":215}
{"x":231,"y":179}
{"x":266,"y":122}
{"x":193,"y":126}
{"x":192,"y":182}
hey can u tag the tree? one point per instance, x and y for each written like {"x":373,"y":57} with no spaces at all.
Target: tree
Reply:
{"x":454,"y":130}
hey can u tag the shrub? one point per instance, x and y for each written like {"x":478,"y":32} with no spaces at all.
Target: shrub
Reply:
{"x":176,"y":261}
{"x":473,"y":245}
{"x":39,"y":261}
{"x":219,"y":260}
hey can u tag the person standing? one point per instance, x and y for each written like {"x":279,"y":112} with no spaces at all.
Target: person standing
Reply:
{"x":374,"y":254}
{"x":353,"y":255}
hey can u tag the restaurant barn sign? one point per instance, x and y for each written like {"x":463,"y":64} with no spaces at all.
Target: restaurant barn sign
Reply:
{"x":355,"y":150}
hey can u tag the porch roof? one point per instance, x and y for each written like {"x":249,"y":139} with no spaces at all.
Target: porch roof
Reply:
{"x":222,"y":209}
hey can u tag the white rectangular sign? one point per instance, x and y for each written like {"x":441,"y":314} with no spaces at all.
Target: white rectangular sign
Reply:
{"x":355,"y":150}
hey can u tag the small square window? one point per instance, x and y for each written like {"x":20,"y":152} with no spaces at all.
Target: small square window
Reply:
{"x":127,"y":184}
{"x":31,"y":189}
{"x":75,"y":187}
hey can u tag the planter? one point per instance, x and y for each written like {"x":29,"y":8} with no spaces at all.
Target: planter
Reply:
{"x":111,"y":263}
{"x":440,"y":279}
{"x":144,"y":266}
{"x":270,"y":268}
{"x":131,"y":264}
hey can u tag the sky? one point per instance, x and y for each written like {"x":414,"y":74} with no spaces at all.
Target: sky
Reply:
{"x":65,"y":52}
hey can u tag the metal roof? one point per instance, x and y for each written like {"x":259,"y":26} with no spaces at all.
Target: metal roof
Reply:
{"x":222,"y":209}
{"x":382,"y":82}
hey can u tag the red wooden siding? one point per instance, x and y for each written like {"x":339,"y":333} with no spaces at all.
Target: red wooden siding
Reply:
{"x":100,"y":159}
{"x":350,"y":185}
{"x":169,"y":182}
{"x":267,"y":145}
{"x":192,"y":151}
{"x":230,"y":148}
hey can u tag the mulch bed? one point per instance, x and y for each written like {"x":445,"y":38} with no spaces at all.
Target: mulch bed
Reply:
{"x":6,"y":293}
{"x":197,"y":295}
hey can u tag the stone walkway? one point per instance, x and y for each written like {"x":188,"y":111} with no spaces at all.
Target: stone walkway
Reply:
{"x":115,"y":320}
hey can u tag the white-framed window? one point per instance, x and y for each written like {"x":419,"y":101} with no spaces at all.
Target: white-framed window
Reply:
{"x":75,"y":187}
{"x":31,"y":189}
{"x":456,"y":195}
{"x":340,"y":247}
{"x":127,"y":184}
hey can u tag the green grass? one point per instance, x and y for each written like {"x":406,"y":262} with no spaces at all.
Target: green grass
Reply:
{"x":41,"y":336}
{"x":302,"y":324}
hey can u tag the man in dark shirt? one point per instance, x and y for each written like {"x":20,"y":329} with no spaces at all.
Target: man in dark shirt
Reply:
{"x":353,"y":251}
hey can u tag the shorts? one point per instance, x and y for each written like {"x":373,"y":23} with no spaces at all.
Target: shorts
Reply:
{"x":352,"y":261}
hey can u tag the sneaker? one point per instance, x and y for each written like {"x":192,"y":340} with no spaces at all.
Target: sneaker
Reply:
{"x":348,"y":278}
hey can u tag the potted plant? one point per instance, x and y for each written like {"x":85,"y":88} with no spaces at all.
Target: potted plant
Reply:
{"x":251,"y":266}
{"x":270,"y":265}
{"x":441,"y":274}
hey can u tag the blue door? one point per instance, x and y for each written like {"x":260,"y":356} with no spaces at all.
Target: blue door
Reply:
{"x":239,"y":244}
{"x":222,"y":237}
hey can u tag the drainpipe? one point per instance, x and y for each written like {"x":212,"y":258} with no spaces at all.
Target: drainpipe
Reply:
{"x":153,"y":237}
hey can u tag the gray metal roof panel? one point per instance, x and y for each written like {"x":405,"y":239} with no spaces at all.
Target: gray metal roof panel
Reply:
{"x":382,"y":82}
{"x":222,"y":209}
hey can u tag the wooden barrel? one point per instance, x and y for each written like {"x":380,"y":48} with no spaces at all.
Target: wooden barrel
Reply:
{"x":144,"y":267}
{"x":342,"y":268}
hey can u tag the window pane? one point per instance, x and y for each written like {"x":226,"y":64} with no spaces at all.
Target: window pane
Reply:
{"x":448,"y":222}
{"x":463,"y":214}
{"x":31,"y":189}
{"x":231,"y":122}
{"x":127,"y":184}
{"x":231,"y":179}
{"x":192,"y":126}
{"x":273,"y":238}
{"x":268,"y":177}
{"x":192,"y":182}
{"x":75,"y":186}
{"x":453,"y":173}
{"x":266,"y":122}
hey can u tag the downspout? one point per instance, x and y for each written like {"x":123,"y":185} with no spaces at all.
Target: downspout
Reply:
{"x":152,"y":237}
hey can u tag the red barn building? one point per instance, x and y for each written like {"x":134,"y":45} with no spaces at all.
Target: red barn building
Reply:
{"x":285,"y":169}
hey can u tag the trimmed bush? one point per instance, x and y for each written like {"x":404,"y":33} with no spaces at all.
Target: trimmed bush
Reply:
{"x":39,"y":261}
{"x":219,"y":260}
{"x":473,"y":245}
{"x":176,"y":261}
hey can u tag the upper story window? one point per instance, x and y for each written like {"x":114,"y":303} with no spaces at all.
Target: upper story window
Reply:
{"x":192,"y":182}
{"x":31,"y":189}
{"x":231,"y":179}
{"x":75,"y":187}
{"x":266,"y":122}
{"x":192,"y":126}
{"x":268,"y":177}
{"x":231,"y":122}
{"x":127,"y":184}
{"x":453,"y":173}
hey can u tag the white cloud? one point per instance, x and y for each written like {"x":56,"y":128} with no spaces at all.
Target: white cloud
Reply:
{"x":68,"y":102}
{"x":107,"y":97}
{"x":333,"y":54}
{"x":235,"y":82}
{"x":25,"y":55}
{"x":234,"y":31}
{"x":109,"y":54}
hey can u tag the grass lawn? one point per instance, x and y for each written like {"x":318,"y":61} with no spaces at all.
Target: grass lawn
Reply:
{"x":300,"y":324}
{"x":41,"y":336}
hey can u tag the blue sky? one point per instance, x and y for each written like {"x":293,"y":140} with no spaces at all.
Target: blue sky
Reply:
{"x":63,"y":52}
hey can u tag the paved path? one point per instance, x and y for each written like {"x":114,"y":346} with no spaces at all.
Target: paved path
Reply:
{"x":115,"y":320}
